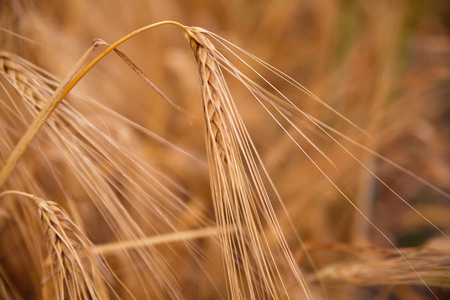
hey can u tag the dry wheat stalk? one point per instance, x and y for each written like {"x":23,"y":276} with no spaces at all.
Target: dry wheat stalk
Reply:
{"x":46,"y":110}
{"x":239,"y":194}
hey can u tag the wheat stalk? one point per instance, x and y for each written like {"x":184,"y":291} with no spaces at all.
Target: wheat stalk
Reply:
{"x":109,"y":172}
{"x":239,"y":197}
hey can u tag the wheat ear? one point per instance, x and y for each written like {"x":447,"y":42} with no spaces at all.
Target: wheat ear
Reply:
{"x":240,"y":199}
{"x":40,"y":119}
{"x":72,"y":265}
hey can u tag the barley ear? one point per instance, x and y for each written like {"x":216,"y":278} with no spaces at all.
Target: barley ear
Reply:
{"x":71,"y":270}
{"x":256,"y":264}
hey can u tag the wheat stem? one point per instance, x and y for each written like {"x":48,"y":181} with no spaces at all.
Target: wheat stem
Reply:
{"x":109,"y":248}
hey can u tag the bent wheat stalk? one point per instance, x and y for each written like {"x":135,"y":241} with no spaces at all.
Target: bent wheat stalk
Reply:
{"x":73,"y":77}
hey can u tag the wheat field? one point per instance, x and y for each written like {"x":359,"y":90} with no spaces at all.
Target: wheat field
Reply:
{"x":224,"y":150}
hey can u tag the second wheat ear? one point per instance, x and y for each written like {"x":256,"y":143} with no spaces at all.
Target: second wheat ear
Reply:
{"x":43,"y":115}
{"x":72,"y":270}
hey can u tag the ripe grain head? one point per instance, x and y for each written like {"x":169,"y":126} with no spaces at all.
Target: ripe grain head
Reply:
{"x":239,"y":194}
{"x":72,"y":269}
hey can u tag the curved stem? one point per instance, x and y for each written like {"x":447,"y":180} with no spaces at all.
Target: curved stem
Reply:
{"x":63,"y":89}
{"x":111,"y":48}
{"x":13,"y":192}
{"x":178,"y":236}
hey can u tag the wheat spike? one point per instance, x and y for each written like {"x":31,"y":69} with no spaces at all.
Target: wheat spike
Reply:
{"x":68,"y":272}
{"x":239,"y":194}
{"x":212,"y":92}
{"x":27,"y":83}
{"x":71,"y":265}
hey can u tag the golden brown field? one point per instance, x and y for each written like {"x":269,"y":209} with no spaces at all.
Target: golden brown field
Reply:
{"x":273,"y":150}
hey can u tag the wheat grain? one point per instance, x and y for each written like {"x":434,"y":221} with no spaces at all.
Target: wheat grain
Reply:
{"x":212,"y":92}
{"x":68,"y":272}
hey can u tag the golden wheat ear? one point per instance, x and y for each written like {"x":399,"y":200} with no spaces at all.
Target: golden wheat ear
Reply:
{"x":282,"y":109}
{"x":257,"y":257}
{"x":72,"y":270}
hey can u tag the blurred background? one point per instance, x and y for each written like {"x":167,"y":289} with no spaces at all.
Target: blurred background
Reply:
{"x":385,"y":65}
